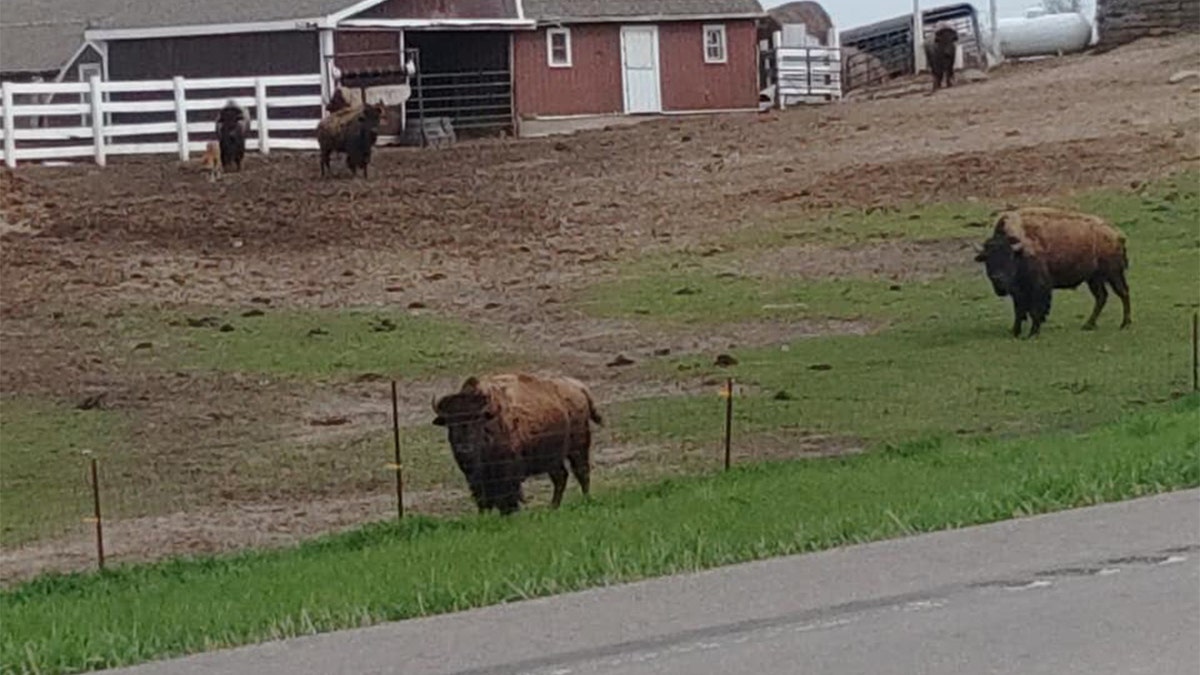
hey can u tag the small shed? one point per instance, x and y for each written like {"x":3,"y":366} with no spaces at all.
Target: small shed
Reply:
{"x":631,"y":57}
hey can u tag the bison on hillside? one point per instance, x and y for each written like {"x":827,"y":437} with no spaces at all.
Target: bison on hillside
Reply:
{"x":1034,"y":250}
{"x":352,"y":131}
{"x":505,"y":428}
{"x":233,"y":125}
{"x":940,"y":54}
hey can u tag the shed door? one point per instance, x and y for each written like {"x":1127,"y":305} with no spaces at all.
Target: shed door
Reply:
{"x":639,"y":64}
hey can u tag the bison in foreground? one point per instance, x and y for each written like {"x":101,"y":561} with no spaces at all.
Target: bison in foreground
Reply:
{"x":352,"y":131}
{"x":505,"y":428}
{"x":233,"y":125}
{"x":940,"y":55}
{"x":1034,"y":250}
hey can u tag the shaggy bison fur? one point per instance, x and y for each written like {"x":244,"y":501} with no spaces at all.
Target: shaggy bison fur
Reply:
{"x":940,"y":55}
{"x":233,"y":125}
{"x":507,"y":427}
{"x":1034,"y":250}
{"x":352,"y":131}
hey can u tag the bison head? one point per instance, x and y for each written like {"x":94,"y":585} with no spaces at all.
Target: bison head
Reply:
{"x":1002,"y":256}
{"x":945,"y":38}
{"x":466,"y":415}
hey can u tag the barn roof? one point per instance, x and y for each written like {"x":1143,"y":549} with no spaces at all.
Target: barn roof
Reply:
{"x":38,"y":38}
{"x":550,"y":11}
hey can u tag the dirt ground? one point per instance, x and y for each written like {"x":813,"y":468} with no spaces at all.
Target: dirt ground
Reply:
{"x":499,"y":232}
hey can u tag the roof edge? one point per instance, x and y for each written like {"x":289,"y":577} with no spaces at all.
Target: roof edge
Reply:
{"x":651,"y":18}
{"x":101,"y":34}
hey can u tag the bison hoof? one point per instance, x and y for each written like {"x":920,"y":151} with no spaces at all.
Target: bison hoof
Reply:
{"x":1089,"y":326}
{"x":1125,"y":324}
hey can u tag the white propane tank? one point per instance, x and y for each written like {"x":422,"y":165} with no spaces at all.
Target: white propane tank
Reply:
{"x":1044,"y":35}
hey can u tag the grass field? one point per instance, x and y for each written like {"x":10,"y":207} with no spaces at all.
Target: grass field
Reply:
{"x":426,"y":566}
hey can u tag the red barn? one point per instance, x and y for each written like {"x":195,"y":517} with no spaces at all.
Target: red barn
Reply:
{"x":603,"y":57}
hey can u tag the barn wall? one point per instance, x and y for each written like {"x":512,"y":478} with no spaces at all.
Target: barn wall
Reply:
{"x":1121,"y":21}
{"x":245,"y":54}
{"x":688,"y":83}
{"x":442,"y":9}
{"x":592,"y":85}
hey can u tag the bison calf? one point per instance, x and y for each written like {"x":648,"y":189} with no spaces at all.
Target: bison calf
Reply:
{"x":505,"y":428}
{"x":1034,"y":250}
{"x":940,"y":54}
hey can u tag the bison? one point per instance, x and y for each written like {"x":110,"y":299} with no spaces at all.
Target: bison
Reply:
{"x":940,"y":54}
{"x":233,"y":125}
{"x":1034,"y":250}
{"x":507,"y":427}
{"x":352,"y":131}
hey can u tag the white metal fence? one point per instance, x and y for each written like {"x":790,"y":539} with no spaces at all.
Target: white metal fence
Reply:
{"x":808,"y":74}
{"x":96,"y":119}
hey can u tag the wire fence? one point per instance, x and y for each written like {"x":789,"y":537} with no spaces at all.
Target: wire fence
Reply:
{"x":516,"y":445}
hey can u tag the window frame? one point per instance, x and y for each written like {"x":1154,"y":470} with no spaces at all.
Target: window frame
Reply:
{"x":566,"y":33}
{"x":718,"y":28}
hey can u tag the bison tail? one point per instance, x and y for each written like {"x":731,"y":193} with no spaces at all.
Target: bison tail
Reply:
{"x":593,"y":414}
{"x":1124,"y":254}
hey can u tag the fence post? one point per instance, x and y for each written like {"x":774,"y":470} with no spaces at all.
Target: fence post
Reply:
{"x":97,"y":103}
{"x":396,"y":438}
{"x":260,"y":109}
{"x":1196,"y":351}
{"x":10,"y":137}
{"x":181,"y":120}
{"x":728,"y":422}
{"x":96,"y":513}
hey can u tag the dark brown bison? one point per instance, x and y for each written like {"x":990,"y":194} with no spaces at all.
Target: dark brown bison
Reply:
{"x":505,"y":428}
{"x":940,"y":54}
{"x":353,"y":131}
{"x":1034,"y":250}
{"x":233,"y":125}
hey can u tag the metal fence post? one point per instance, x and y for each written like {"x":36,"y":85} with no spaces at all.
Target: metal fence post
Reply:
{"x":728,"y":422}
{"x":260,"y":109}
{"x":181,"y":121}
{"x":398,"y":466}
{"x":96,"y":513}
{"x":10,"y":127}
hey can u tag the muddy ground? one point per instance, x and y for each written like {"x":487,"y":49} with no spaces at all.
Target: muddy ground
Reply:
{"x":500,"y":232}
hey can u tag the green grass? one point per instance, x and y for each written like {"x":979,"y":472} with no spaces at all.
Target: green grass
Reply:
{"x":43,"y":479}
{"x":310,"y":343}
{"x":424,"y":566}
{"x":943,"y":362}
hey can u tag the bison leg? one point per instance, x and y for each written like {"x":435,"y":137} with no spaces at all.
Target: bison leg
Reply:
{"x":1096,"y":286}
{"x":558,"y":475}
{"x":1019,"y":315}
{"x":1121,"y":288}
{"x":579,"y":467}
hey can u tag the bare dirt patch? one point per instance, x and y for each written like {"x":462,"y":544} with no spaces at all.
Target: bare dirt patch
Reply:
{"x":500,"y":233}
{"x":892,"y":260}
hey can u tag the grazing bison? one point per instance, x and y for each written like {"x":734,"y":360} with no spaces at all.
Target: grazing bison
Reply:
{"x":1034,"y":250}
{"x":352,"y":131}
{"x":940,"y":54}
{"x":233,"y":125}
{"x":505,"y":428}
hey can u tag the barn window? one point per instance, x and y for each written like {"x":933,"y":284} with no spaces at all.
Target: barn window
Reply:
{"x":558,"y":47}
{"x":714,"y":44}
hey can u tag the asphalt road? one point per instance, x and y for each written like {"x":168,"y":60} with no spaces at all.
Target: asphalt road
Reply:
{"x":1108,"y":589}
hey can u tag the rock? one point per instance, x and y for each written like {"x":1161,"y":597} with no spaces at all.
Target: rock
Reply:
{"x":782,"y":395}
{"x":725,"y":360}
{"x":665,"y":351}
{"x":252,"y":312}
{"x":1012,"y":132}
{"x":1180,"y":76}
{"x":92,"y":402}
{"x":621,"y":360}
{"x":416,"y":304}
{"x":143,"y":345}
{"x":226,"y":328}
{"x":687,"y":290}
{"x":820,"y":366}
{"x":972,"y":75}
{"x":333,"y":421}
{"x":259,"y":300}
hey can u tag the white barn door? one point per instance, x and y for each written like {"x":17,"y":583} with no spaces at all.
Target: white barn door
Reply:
{"x":639,"y":67}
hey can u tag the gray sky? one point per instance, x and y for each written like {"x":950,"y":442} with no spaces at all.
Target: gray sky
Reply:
{"x":852,"y":13}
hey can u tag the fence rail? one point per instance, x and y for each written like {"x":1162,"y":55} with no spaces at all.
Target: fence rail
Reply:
{"x":77,"y":120}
